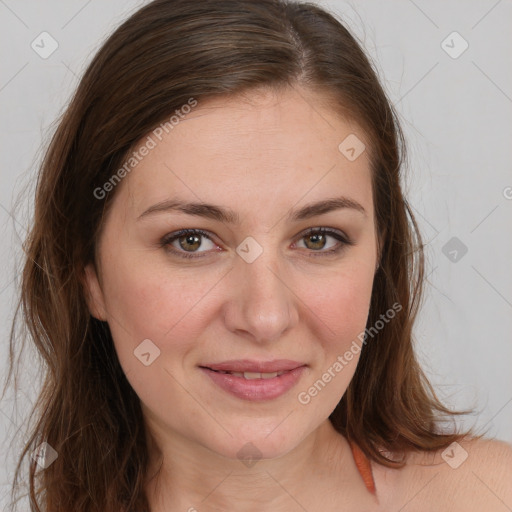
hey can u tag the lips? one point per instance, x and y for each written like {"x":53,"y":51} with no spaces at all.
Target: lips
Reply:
{"x":253,"y":375}
{"x":255,"y":380}
{"x":251,"y":366}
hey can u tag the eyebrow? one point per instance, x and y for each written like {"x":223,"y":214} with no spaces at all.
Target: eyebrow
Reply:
{"x":228,"y":216}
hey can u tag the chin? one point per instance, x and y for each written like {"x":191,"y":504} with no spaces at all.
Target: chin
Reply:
{"x":256,"y":440}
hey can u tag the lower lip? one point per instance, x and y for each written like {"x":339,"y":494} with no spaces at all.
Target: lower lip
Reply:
{"x":256,"y":390}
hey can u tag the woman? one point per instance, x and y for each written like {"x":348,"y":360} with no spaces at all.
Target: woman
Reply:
{"x":222,"y":281}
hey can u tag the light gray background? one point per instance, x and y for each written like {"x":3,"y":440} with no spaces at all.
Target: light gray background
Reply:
{"x":456,"y":113}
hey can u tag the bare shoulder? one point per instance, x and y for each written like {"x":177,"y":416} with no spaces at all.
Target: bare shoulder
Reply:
{"x":485,"y":478}
{"x":471,"y":475}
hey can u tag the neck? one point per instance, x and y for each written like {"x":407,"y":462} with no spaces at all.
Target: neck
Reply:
{"x":192,"y":478}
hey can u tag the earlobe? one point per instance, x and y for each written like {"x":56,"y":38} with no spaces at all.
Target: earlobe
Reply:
{"x":93,"y":293}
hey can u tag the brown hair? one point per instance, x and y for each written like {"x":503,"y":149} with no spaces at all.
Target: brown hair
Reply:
{"x":166,"y":53}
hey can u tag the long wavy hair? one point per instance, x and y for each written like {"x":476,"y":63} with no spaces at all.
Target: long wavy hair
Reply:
{"x":166,"y":53}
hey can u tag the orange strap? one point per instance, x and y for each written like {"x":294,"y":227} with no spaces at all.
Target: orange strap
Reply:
{"x":364,"y":467}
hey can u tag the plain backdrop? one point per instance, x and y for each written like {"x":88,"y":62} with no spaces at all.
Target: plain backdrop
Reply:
{"x":446,"y":67}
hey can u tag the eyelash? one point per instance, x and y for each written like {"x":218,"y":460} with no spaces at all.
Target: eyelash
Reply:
{"x":171,"y":237}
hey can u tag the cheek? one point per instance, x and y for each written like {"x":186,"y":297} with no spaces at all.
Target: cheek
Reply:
{"x":342,"y":306}
{"x":340,"y":316}
{"x":144,"y":303}
{"x":152,"y":301}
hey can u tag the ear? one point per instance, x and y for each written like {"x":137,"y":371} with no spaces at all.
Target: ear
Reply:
{"x":93,"y":293}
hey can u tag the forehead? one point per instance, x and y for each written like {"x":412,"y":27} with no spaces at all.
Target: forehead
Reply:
{"x":259,"y":150}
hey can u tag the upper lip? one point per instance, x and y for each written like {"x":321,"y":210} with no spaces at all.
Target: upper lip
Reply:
{"x":248,"y":365}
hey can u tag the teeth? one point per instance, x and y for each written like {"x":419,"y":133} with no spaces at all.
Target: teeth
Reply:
{"x":256,"y":375}
{"x":253,"y":375}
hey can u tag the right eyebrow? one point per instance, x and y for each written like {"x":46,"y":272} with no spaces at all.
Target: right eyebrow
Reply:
{"x":209,"y":211}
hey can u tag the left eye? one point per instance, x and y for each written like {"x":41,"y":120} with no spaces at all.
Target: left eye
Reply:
{"x":317,"y":239}
{"x":189,"y":241}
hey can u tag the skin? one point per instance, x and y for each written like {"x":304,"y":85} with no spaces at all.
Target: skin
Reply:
{"x":260,"y":156}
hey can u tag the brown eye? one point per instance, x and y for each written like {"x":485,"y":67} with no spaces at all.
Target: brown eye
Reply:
{"x":187,"y":242}
{"x":317,"y":241}
{"x":190,"y":242}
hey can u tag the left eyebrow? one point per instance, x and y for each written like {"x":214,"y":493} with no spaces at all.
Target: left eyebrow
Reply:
{"x":326,"y":206}
{"x":228,"y":216}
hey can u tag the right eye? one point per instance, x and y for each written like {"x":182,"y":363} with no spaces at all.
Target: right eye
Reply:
{"x":186,"y":242}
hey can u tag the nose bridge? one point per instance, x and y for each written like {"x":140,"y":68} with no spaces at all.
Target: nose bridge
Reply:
{"x":263,"y":304}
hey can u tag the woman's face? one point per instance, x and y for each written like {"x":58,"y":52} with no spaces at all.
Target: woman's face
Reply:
{"x":256,"y":287}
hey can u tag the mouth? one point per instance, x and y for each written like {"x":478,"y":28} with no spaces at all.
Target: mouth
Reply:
{"x":251,"y":375}
{"x":254,"y":366}
{"x":253,"y":380}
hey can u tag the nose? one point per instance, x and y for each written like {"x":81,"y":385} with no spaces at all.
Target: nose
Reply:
{"x":262,"y":306}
